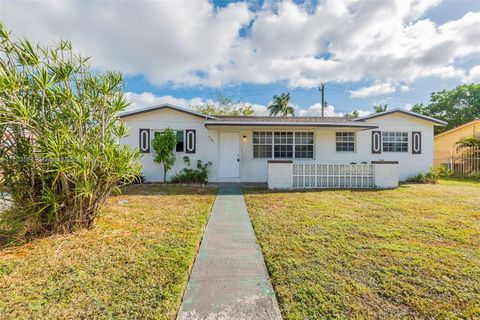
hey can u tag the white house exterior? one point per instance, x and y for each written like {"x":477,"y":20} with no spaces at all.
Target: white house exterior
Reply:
{"x":241,"y":147}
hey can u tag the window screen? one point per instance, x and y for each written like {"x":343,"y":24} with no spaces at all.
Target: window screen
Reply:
{"x":395,"y":141}
{"x":180,"y":147}
{"x":304,"y":145}
{"x":262,"y":144}
{"x":345,"y":141}
{"x":283,"y":145}
{"x":180,"y":142}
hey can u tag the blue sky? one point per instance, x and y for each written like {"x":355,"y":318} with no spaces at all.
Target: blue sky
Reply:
{"x":190,"y":52}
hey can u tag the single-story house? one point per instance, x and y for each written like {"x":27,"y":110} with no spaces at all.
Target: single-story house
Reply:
{"x":445,"y":143}
{"x":242,"y":148}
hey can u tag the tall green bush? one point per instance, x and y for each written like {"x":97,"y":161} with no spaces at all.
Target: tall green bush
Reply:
{"x":164,"y":149}
{"x":59,"y":131}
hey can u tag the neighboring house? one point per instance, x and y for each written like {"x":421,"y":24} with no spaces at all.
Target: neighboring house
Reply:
{"x":240,"y":147}
{"x":445,"y":142}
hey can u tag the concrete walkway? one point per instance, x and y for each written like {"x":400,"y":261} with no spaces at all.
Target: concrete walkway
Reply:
{"x":229,"y":279}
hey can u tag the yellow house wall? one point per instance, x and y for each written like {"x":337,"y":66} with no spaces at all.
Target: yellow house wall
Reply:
{"x":443,"y":144}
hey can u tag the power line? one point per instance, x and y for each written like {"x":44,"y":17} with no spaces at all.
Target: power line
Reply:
{"x":339,"y":88}
{"x":241,"y":93}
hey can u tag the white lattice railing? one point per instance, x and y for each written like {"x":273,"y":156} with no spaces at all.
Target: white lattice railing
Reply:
{"x":312,"y":175}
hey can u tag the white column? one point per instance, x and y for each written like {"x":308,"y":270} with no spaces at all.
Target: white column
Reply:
{"x":280,"y":174}
{"x":385,"y":174}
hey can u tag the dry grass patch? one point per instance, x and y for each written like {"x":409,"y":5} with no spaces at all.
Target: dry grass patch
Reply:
{"x":413,"y":252}
{"x":133,"y":264}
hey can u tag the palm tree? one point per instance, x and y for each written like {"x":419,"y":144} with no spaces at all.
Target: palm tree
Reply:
{"x":468,"y":152}
{"x":280,"y":106}
{"x":380,"y":108}
{"x":469,"y":142}
{"x":352,"y":115}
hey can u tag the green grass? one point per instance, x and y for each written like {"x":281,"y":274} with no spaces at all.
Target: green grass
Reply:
{"x":409,"y":253}
{"x":474,"y":181}
{"x":134,"y":264}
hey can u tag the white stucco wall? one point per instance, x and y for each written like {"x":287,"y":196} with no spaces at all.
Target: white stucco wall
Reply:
{"x":256,"y":170}
{"x":280,"y":175}
{"x":409,"y":164}
{"x":206,"y":146}
{"x":385,"y":175}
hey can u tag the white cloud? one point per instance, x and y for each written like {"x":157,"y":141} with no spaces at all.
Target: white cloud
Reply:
{"x":148,"y":99}
{"x":473,"y":75}
{"x":197,"y":43}
{"x":363,"y":113}
{"x":315,"y":110}
{"x":164,"y":40}
{"x":446,"y":72}
{"x":260,"y":110}
{"x":419,"y":7}
{"x":374,"y":90}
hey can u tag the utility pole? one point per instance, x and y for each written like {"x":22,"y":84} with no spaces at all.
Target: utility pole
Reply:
{"x":322,"y":90}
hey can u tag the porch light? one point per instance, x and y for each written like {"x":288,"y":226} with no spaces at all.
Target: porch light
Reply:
{"x":244,"y":138}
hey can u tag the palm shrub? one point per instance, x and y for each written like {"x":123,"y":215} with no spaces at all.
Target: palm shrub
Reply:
{"x":469,"y":142}
{"x":443,"y":171}
{"x":59,"y":131}
{"x":431,"y":177}
{"x":191,"y":175}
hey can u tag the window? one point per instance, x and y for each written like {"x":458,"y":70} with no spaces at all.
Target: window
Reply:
{"x":345,"y":141}
{"x":304,"y":145}
{"x":283,"y":145}
{"x":395,"y":141}
{"x":180,"y":140}
{"x":262,"y":144}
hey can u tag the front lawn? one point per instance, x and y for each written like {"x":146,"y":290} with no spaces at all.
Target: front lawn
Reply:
{"x":413,"y":252}
{"x":134,"y":264}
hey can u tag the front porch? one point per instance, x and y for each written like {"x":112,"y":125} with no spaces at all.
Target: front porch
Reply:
{"x":243,"y":154}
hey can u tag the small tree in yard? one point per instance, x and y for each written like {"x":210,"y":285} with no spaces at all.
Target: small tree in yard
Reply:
{"x":59,"y":132}
{"x":164,"y":147}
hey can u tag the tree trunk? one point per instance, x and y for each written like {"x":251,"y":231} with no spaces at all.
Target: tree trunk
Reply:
{"x":164,"y":174}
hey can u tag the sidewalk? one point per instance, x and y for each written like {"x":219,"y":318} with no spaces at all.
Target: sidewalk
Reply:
{"x":229,"y":279}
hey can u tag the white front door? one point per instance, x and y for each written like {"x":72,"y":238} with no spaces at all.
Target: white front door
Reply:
{"x":229,"y":155}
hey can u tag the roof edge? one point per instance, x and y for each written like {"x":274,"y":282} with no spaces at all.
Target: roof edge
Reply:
{"x":288,"y":124}
{"x":406,"y":112}
{"x":456,"y":128}
{"x":164,"y":106}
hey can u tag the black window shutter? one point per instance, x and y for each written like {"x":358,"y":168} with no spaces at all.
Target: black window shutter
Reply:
{"x":416,"y":142}
{"x":191,"y":140}
{"x":376,"y":142}
{"x":144,"y":140}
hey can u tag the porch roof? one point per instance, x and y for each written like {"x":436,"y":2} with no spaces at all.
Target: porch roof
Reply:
{"x":262,"y":121}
